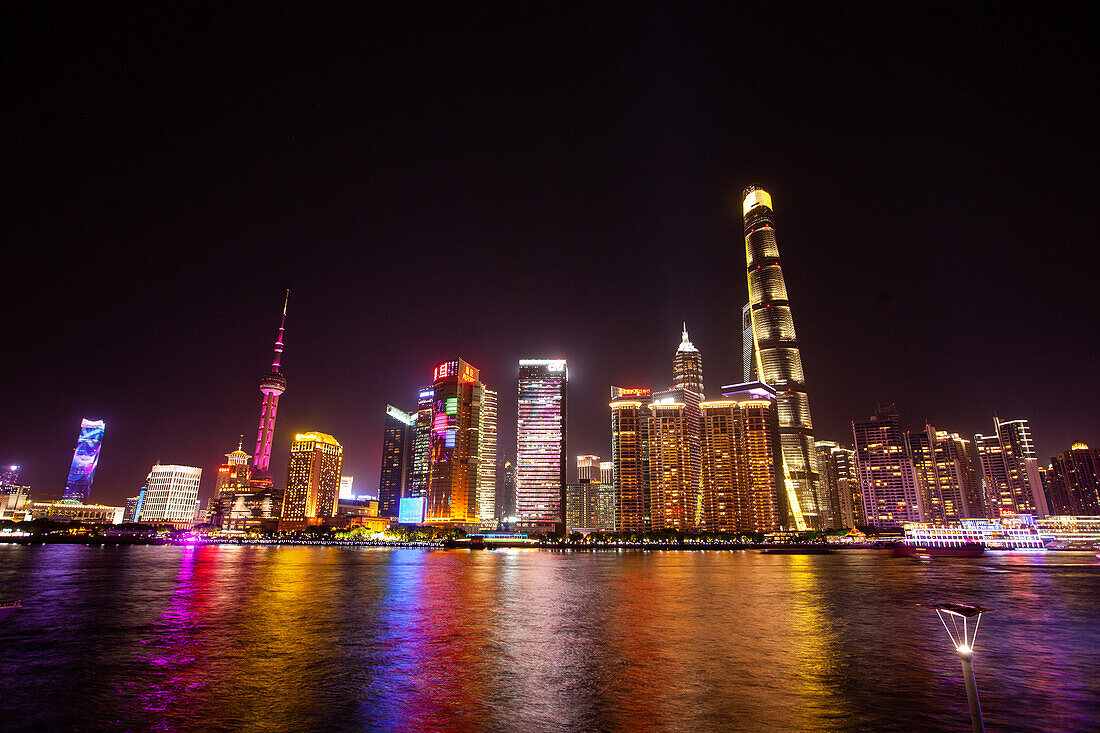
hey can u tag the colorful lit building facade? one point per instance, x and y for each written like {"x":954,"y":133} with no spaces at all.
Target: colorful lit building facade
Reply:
{"x":674,"y":461}
{"x":78,"y":486}
{"x":779,"y":362}
{"x":1010,"y":470}
{"x":272,"y":386}
{"x":541,"y":444}
{"x":454,"y":446}
{"x":312,"y":482}
{"x":487,"y":461}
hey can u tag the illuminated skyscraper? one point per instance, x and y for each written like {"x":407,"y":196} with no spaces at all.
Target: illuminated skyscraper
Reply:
{"x":630,"y":457}
{"x":838,"y":506}
{"x":886,"y":474}
{"x":312,"y":481}
{"x":347,"y":487}
{"x":487,"y":461}
{"x":397,"y":446}
{"x":588,"y":468}
{"x":837,"y":466}
{"x":675,"y":460}
{"x":946,"y":482}
{"x":421,"y":446}
{"x":272,"y":385}
{"x":607,"y":473}
{"x":687,"y":366}
{"x":1010,"y":470}
{"x":541,"y":443}
{"x":1075,"y":482}
{"x":233,"y":482}
{"x":780,"y":363}
{"x":742,"y":463}
{"x":171,"y":496}
{"x":454,"y":446}
{"x":78,"y":487}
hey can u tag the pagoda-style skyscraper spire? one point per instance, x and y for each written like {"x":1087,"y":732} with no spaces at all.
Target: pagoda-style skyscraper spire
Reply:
{"x":272,"y":385}
{"x":687,"y":365}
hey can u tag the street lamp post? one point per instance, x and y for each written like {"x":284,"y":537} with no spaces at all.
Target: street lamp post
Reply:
{"x":963,"y":636}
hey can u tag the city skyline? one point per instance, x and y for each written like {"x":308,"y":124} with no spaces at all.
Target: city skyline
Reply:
{"x":152,"y":243}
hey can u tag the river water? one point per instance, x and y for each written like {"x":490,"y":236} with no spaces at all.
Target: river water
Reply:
{"x":328,"y":638}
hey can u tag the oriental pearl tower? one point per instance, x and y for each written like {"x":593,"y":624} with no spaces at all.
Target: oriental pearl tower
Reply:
{"x":272,"y":385}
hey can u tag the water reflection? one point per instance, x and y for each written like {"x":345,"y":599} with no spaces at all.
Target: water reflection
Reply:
{"x":310,"y":638}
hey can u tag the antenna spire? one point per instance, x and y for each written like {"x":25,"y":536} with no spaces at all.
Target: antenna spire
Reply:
{"x":279,"y":339}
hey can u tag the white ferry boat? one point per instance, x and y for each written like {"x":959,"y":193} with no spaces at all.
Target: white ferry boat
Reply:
{"x":1007,"y":532}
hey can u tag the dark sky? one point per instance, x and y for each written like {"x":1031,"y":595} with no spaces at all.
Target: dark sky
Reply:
{"x":534,"y":180}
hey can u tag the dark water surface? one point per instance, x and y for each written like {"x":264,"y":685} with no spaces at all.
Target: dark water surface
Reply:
{"x":325,"y":638}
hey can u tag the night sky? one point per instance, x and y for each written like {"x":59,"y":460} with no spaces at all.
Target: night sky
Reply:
{"x":541,"y":180}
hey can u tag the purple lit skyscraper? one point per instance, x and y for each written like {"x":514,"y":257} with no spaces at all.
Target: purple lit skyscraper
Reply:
{"x":85,"y":459}
{"x":272,"y":385}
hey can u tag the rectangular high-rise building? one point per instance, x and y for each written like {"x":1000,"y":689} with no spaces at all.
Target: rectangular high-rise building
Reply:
{"x":398,"y":437}
{"x":946,"y":481}
{"x":541,"y":444}
{"x":312,"y":481}
{"x":837,"y":497}
{"x":630,"y":457}
{"x":1010,"y":470}
{"x":487,"y":462}
{"x":454,"y":446}
{"x":171,"y":496}
{"x":607,"y":473}
{"x":78,"y":487}
{"x":886,"y":475}
{"x":1075,"y":482}
{"x":674,"y":460}
{"x":742,"y":461}
{"x":748,"y":346}
{"x":421,"y":446}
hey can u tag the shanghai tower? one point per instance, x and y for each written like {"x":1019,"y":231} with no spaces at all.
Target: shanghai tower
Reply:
{"x":779,"y":363}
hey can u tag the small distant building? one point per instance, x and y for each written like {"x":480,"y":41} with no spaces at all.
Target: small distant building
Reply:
{"x":132,"y":510}
{"x":71,"y":510}
{"x":1075,"y":481}
{"x":13,"y":502}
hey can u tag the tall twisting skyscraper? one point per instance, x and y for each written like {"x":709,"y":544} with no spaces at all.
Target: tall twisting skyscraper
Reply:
{"x":272,"y":385}
{"x":85,"y":459}
{"x":541,"y":444}
{"x":780,"y":364}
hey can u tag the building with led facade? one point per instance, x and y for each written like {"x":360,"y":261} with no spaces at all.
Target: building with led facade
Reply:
{"x":1075,"y":482}
{"x":742,"y":461}
{"x":312,"y":481}
{"x":454,"y":446}
{"x":779,"y":363}
{"x":1010,"y":470}
{"x":171,"y":496}
{"x":487,"y":461}
{"x":541,"y":444}
{"x":78,"y":487}
{"x":272,"y":386}
{"x":422,"y":440}
{"x":630,"y":457}
{"x":887,"y":478}
{"x":946,"y":481}
{"x":398,"y":437}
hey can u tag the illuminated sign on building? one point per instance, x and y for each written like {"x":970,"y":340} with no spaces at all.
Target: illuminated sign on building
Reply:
{"x":469,"y":374}
{"x":411,"y":510}
{"x":85,"y":458}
